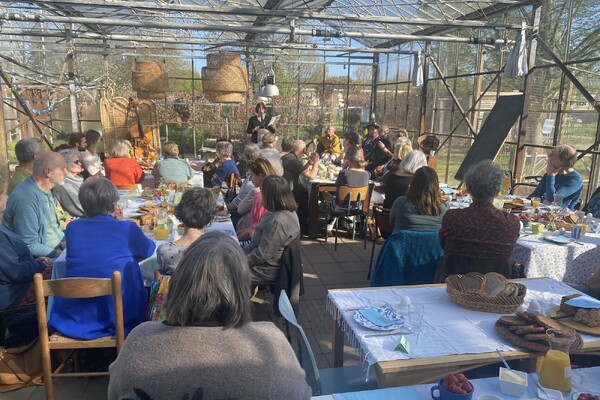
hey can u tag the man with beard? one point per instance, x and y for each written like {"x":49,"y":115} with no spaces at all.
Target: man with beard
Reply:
{"x":30,"y":211}
{"x":77,"y":141}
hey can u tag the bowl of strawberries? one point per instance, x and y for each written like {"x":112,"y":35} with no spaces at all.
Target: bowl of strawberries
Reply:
{"x":453,"y":387}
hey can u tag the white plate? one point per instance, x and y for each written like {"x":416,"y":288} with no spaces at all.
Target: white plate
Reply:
{"x":387,"y":312}
{"x":558,"y":239}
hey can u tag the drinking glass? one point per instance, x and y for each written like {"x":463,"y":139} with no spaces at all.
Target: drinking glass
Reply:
{"x":161,"y":226}
{"x":415,"y":319}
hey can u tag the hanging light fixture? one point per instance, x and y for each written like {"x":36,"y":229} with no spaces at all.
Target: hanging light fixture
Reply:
{"x":270,"y":89}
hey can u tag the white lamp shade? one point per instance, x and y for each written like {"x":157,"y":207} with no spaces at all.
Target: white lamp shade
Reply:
{"x":270,"y":90}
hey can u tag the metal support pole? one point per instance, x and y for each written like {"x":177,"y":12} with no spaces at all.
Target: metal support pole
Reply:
{"x":374,"y":81}
{"x":70,"y":60}
{"x":424,"y":90}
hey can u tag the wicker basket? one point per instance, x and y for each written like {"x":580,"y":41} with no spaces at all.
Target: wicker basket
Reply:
{"x":538,"y":346}
{"x":149,"y":76}
{"x":481,"y":301}
{"x":216,"y":60}
{"x":226,"y":97}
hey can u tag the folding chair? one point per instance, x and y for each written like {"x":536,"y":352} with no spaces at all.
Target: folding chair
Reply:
{"x":75,"y":288}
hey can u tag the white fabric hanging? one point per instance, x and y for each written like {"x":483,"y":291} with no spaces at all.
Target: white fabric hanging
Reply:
{"x":417,"y":72}
{"x":517,"y":65}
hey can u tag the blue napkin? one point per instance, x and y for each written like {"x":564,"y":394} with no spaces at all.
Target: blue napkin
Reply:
{"x":584,"y":302}
{"x":373,"y":315}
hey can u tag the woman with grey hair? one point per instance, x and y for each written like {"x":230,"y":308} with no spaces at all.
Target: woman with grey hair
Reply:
{"x":208,"y":347}
{"x":98,"y":245}
{"x":227,"y":167}
{"x":479,"y":238}
{"x":396,"y":185}
{"x":67,"y":194}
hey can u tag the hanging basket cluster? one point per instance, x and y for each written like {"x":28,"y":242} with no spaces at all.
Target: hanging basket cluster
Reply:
{"x":224,"y":80}
{"x":149,"y":79}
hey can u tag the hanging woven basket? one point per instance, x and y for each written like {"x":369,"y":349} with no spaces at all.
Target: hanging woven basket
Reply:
{"x":224,"y":80}
{"x":149,"y":79}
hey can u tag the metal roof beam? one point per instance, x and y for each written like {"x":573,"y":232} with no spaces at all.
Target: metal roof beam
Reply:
{"x":247,"y":29}
{"x":200,"y":42}
{"x":288,"y":13}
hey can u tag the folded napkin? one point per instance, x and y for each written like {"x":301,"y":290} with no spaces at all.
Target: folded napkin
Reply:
{"x":373,"y":315}
{"x":406,"y":392}
{"x":583,"y":302}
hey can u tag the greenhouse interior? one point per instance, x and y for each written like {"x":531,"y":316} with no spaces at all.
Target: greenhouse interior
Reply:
{"x":459,"y":81}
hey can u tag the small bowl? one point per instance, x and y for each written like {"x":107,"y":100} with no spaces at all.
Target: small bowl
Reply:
{"x":510,"y":387}
{"x":447,"y":395}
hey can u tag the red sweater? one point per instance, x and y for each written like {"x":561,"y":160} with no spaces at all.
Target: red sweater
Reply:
{"x":123,"y":171}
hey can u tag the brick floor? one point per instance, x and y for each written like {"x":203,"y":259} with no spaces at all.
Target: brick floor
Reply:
{"x":324,"y":269}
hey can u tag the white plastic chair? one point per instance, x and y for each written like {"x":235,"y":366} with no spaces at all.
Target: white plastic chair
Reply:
{"x":330,"y":380}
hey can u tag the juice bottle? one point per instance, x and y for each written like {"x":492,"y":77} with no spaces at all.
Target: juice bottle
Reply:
{"x":556,"y":368}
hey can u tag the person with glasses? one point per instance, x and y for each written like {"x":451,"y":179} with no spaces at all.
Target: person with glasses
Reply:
{"x":68,"y":193}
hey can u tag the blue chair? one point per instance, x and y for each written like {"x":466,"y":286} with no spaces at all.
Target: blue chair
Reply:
{"x":324,"y":381}
{"x":407,"y":258}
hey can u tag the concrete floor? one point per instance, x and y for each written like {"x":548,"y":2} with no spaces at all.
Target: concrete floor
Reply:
{"x":324,"y":269}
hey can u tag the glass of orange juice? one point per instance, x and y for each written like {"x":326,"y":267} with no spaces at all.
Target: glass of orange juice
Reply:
{"x":535,"y":202}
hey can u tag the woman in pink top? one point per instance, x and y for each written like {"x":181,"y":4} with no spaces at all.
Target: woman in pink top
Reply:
{"x":259,"y":170}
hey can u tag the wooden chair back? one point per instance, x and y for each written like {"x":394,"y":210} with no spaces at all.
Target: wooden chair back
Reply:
{"x":75,"y":288}
{"x":362,"y":195}
{"x":382,"y":221}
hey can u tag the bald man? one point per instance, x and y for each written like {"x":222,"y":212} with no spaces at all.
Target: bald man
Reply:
{"x":560,"y":178}
{"x":31,"y":212}
{"x":293,"y":168}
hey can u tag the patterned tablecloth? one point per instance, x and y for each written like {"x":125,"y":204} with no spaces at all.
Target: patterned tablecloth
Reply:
{"x":570,"y":263}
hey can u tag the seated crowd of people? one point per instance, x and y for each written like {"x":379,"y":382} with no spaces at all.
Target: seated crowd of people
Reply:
{"x":68,"y":200}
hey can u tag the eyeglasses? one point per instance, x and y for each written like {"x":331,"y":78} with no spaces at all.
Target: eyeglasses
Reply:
{"x":77,"y":162}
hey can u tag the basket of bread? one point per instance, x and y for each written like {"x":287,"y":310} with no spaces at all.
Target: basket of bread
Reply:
{"x":516,"y":205}
{"x":491,"y":292}
{"x":528,"y":330}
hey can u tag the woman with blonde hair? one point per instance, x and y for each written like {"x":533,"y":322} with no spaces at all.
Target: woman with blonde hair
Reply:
{"x":121,"y":169}
{"x":171,"y":168}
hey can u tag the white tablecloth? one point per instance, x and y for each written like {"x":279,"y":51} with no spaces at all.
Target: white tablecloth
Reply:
{"x":446,"y":329}
{"x":569,"y":263}
{"x":584,"y":380}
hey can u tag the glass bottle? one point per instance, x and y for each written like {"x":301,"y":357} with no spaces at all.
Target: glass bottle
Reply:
{"x":556,"y":368}
{"x":161,"y":226}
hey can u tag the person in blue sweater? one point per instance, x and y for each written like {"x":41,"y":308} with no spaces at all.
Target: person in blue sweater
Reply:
{"x":97,"y":246}
{"x":17,"y":265}
{"x":560,"y":178}
{"x":228,"y":167}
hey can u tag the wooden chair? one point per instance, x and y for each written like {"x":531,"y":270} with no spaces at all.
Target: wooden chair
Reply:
{"x":75,"y":288}
{"x":383,"y":229}
{"x":356,"y":202}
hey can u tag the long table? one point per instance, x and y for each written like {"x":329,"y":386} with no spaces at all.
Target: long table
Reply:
{"x":584,"y":380}
{"x":452,"y":338}
{"x":569,"y":263}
